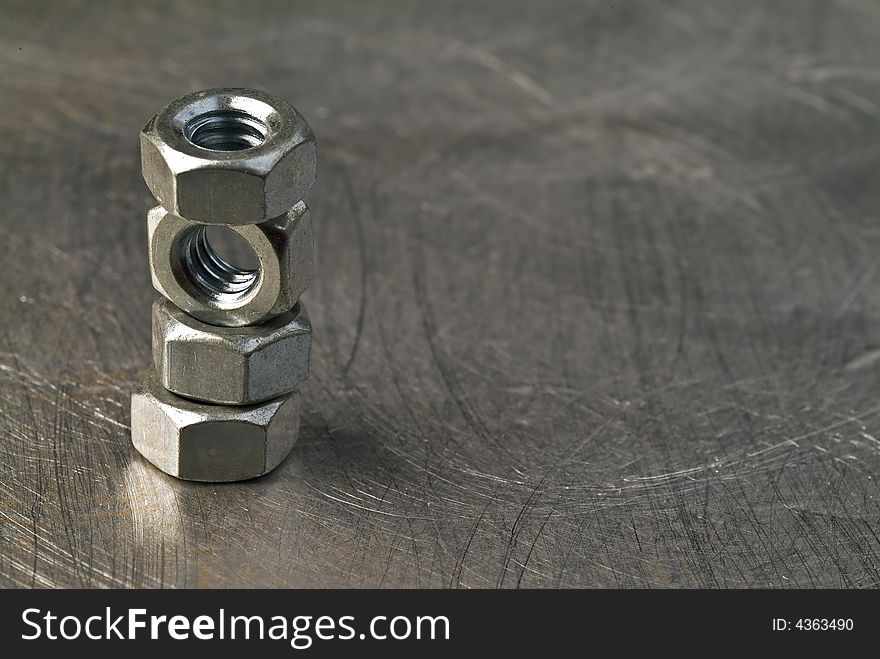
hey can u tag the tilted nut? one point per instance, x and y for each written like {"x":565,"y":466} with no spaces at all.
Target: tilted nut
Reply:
{"x":228,"y":156}
{"x":212,"y":443}
{"x":186,"y":270}
{"x":230,"y":365}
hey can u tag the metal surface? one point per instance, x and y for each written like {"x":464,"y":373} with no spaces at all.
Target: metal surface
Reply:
{"x":231,"y":366}
{"x":186,"y":270}
{"x":228,"y":156}
{"x":596,"y":304}
{"x":214,"y":443}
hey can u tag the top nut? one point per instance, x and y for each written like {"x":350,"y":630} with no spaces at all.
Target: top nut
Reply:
{"x":228,"y":156}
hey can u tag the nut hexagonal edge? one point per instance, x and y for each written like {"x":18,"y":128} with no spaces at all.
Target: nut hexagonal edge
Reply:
{"x":230,"y":366}
{"x":212,"y":443}
{"x":284,"y":247}
{"x":244,"y":186}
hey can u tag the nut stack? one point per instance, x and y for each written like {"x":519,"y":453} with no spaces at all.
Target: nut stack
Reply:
{"x":230,"y":345}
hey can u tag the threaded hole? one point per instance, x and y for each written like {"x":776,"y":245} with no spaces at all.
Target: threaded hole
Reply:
{"x":226,"y":130}
{"x":210,"y":273}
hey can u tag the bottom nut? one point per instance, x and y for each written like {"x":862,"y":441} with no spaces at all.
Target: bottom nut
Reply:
{"x":212,"y":443}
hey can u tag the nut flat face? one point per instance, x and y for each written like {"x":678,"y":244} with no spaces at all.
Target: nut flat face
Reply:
{"x":228,"y":156}
{"x":230,"y":366}
{"x":186,"y":270}
{"x":212,"y":443}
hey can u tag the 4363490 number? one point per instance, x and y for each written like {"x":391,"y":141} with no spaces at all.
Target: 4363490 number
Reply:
{"x":813,"y":624}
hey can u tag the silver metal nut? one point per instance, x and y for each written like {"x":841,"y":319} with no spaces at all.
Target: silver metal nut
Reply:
{"x":228,"y":156}
{"x":230,"y":365}
{"x":186,"y":269}
{"x":212,"y":443}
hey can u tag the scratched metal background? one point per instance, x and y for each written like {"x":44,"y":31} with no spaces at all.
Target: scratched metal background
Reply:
{"x":597,"y":301}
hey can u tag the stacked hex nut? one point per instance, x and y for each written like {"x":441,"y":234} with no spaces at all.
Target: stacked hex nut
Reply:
{"x":230,"y":346}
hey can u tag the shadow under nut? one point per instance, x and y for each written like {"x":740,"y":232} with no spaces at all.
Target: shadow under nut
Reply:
{"x":184,"y":268}
{"x":212,"y":443}
{"x":230,"y":365}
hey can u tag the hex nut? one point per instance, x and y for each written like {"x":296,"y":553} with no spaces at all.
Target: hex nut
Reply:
{"x":226,"y":365}
{"x":212,"y":443}
{"x":228,"y":156}
{"x":187,"y":271}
